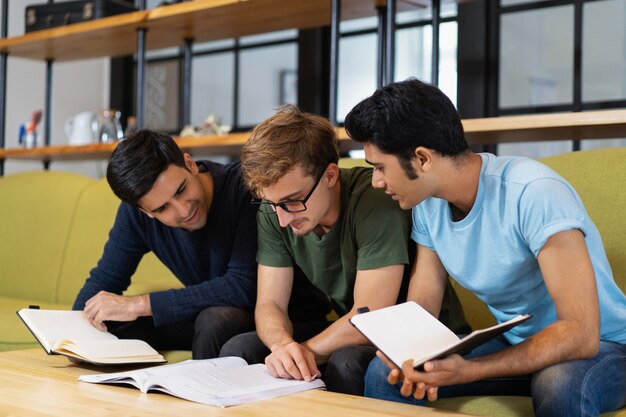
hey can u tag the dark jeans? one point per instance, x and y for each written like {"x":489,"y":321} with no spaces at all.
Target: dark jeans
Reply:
{"x":204,"y":336}
{"x":578,"y":388}
{"x":344,"y":372}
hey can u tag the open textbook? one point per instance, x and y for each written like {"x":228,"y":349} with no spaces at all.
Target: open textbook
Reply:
{"x":221,"y":381}
{"x":407,"y":331}
{"x":69,"y":333}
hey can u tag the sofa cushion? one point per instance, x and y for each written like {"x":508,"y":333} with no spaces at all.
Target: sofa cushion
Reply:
{"x":35,"y":220}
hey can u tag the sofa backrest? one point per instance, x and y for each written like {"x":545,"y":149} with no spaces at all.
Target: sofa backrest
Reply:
{"x":36,"y":213}
{"x":599,"y":177}
{"x":53,"y":227}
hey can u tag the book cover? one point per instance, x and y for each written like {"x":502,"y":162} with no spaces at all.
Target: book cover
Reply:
{"x":407,"y":331}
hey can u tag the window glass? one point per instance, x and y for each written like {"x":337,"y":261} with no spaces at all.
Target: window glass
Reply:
{"x":269,"y":37}
{"x":536,"y":57}
{"x":414,"y":53}
{"x":604,"y":50}
{"x":212,"y":82}
{"x":162,"y":95}
{"x":357,"y":71}
{"x":262,"y":70}
{"x":448,"y":35}
{"x":505,"y":3}
{"x":213,"y":45}
{"x":358,"y":24}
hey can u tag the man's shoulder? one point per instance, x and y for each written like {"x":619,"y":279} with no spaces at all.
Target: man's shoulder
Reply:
{"x":518,"y":170}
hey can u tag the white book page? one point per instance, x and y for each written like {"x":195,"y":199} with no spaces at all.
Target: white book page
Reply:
{"x":230,"y":386}
{"x":143,"y":378}
{"x":404,"y":331}
{"x":108,"y":351}
{"x":51,"y":325}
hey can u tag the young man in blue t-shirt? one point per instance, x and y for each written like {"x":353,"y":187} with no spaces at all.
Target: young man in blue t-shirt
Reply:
{"x":516,"y":234}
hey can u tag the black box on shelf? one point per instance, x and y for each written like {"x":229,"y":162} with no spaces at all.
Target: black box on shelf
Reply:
{"x":50,"y":15}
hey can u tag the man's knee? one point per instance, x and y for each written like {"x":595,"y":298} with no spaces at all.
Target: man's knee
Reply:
{"x":345,"y":371}
{"x":221,"y":317}
{"x":248,"y":346}
{"x":214,"y":326}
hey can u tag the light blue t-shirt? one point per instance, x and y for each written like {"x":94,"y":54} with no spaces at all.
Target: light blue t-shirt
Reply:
{"x":493,"y":251}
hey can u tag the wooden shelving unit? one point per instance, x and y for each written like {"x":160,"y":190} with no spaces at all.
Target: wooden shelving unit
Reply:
{"x":206,"y":20}
{"x":169,"y":26}
{"x":601,"y":124}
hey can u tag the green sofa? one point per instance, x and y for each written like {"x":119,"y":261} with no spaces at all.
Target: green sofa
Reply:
{"x":53,"y":227}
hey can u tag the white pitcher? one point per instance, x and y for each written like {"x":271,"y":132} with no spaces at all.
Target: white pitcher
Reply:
{"x":81,"y":129}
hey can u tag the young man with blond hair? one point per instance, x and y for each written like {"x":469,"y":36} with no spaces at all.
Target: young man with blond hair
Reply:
{"x":347,"y":238}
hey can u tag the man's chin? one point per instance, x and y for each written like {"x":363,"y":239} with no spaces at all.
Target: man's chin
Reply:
{"x":193,"y":226}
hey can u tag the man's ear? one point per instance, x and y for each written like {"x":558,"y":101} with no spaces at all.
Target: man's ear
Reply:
{"x":332,"y":173}
{"x":423,"y":160}
{"x":147,"y":213}
{"x":190,"y":164}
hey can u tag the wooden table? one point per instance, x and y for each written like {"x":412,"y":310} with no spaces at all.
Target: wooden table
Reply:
{"x":34,"y":384}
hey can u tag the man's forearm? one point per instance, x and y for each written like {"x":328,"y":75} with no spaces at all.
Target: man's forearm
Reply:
{"x":273,"y":326}
{"x":339,"y":334}
{"x":559,"y":342}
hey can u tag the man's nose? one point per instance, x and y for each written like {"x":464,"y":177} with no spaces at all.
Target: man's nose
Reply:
{"x":284,"y":217}
{"x":377,"y":180}
{"x":183,"y":208}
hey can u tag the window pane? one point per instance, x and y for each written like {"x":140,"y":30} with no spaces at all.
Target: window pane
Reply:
{"x":162,"y":92}
{"x":604,"y":50}
{"x":213,"y":45}
{"x":269,"y":37}
{"x":357,"y":72}
{"x":212,"y":88}
{"x":414,"y":53}
{"x":516,"y":2}
{"x":260,"y":80}
{"x":358,"y":24}
{"x":536,"y":57}
{"x":448,"y":36}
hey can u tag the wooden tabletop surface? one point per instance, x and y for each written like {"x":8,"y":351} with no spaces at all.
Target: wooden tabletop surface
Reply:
{"x":33,"y":384}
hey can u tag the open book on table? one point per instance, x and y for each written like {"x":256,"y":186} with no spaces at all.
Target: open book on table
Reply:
{"x":221,"y":381}
{"x":69,"y":333}
{"x":407,"y":331}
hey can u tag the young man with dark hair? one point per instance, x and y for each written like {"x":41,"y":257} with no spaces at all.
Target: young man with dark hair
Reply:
{"x":516,"y":234}
{"x":196,"y":217}
{"x":348,"y":239}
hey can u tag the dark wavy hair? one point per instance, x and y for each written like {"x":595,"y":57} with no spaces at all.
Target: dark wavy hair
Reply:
{"x":405,"y":115}
{"x":137,"y":162}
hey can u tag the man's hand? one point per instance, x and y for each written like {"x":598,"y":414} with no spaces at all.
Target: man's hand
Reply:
{"x":107,"y":306}
{"x":292,"y":361}
{"x":436,"y":374}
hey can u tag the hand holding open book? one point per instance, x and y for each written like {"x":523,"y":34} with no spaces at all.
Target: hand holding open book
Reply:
{"x":69,"y":333}
{"x":407,"y":331}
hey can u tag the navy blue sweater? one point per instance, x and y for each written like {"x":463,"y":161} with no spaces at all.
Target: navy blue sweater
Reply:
{"x":216,"y":263}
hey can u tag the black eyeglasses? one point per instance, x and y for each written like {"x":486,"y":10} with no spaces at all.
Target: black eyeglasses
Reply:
{"x":290,"y":206}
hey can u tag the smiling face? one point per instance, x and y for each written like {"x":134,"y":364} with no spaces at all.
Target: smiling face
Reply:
{"x":389,"y":175}
{"x":296,"y":185}
{"x":178,"y":198}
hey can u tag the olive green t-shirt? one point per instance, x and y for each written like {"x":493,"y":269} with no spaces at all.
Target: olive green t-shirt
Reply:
{"x":372,"y":232}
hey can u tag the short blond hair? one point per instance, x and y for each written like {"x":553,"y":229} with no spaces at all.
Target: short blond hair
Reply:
{"x":287,"y":139}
